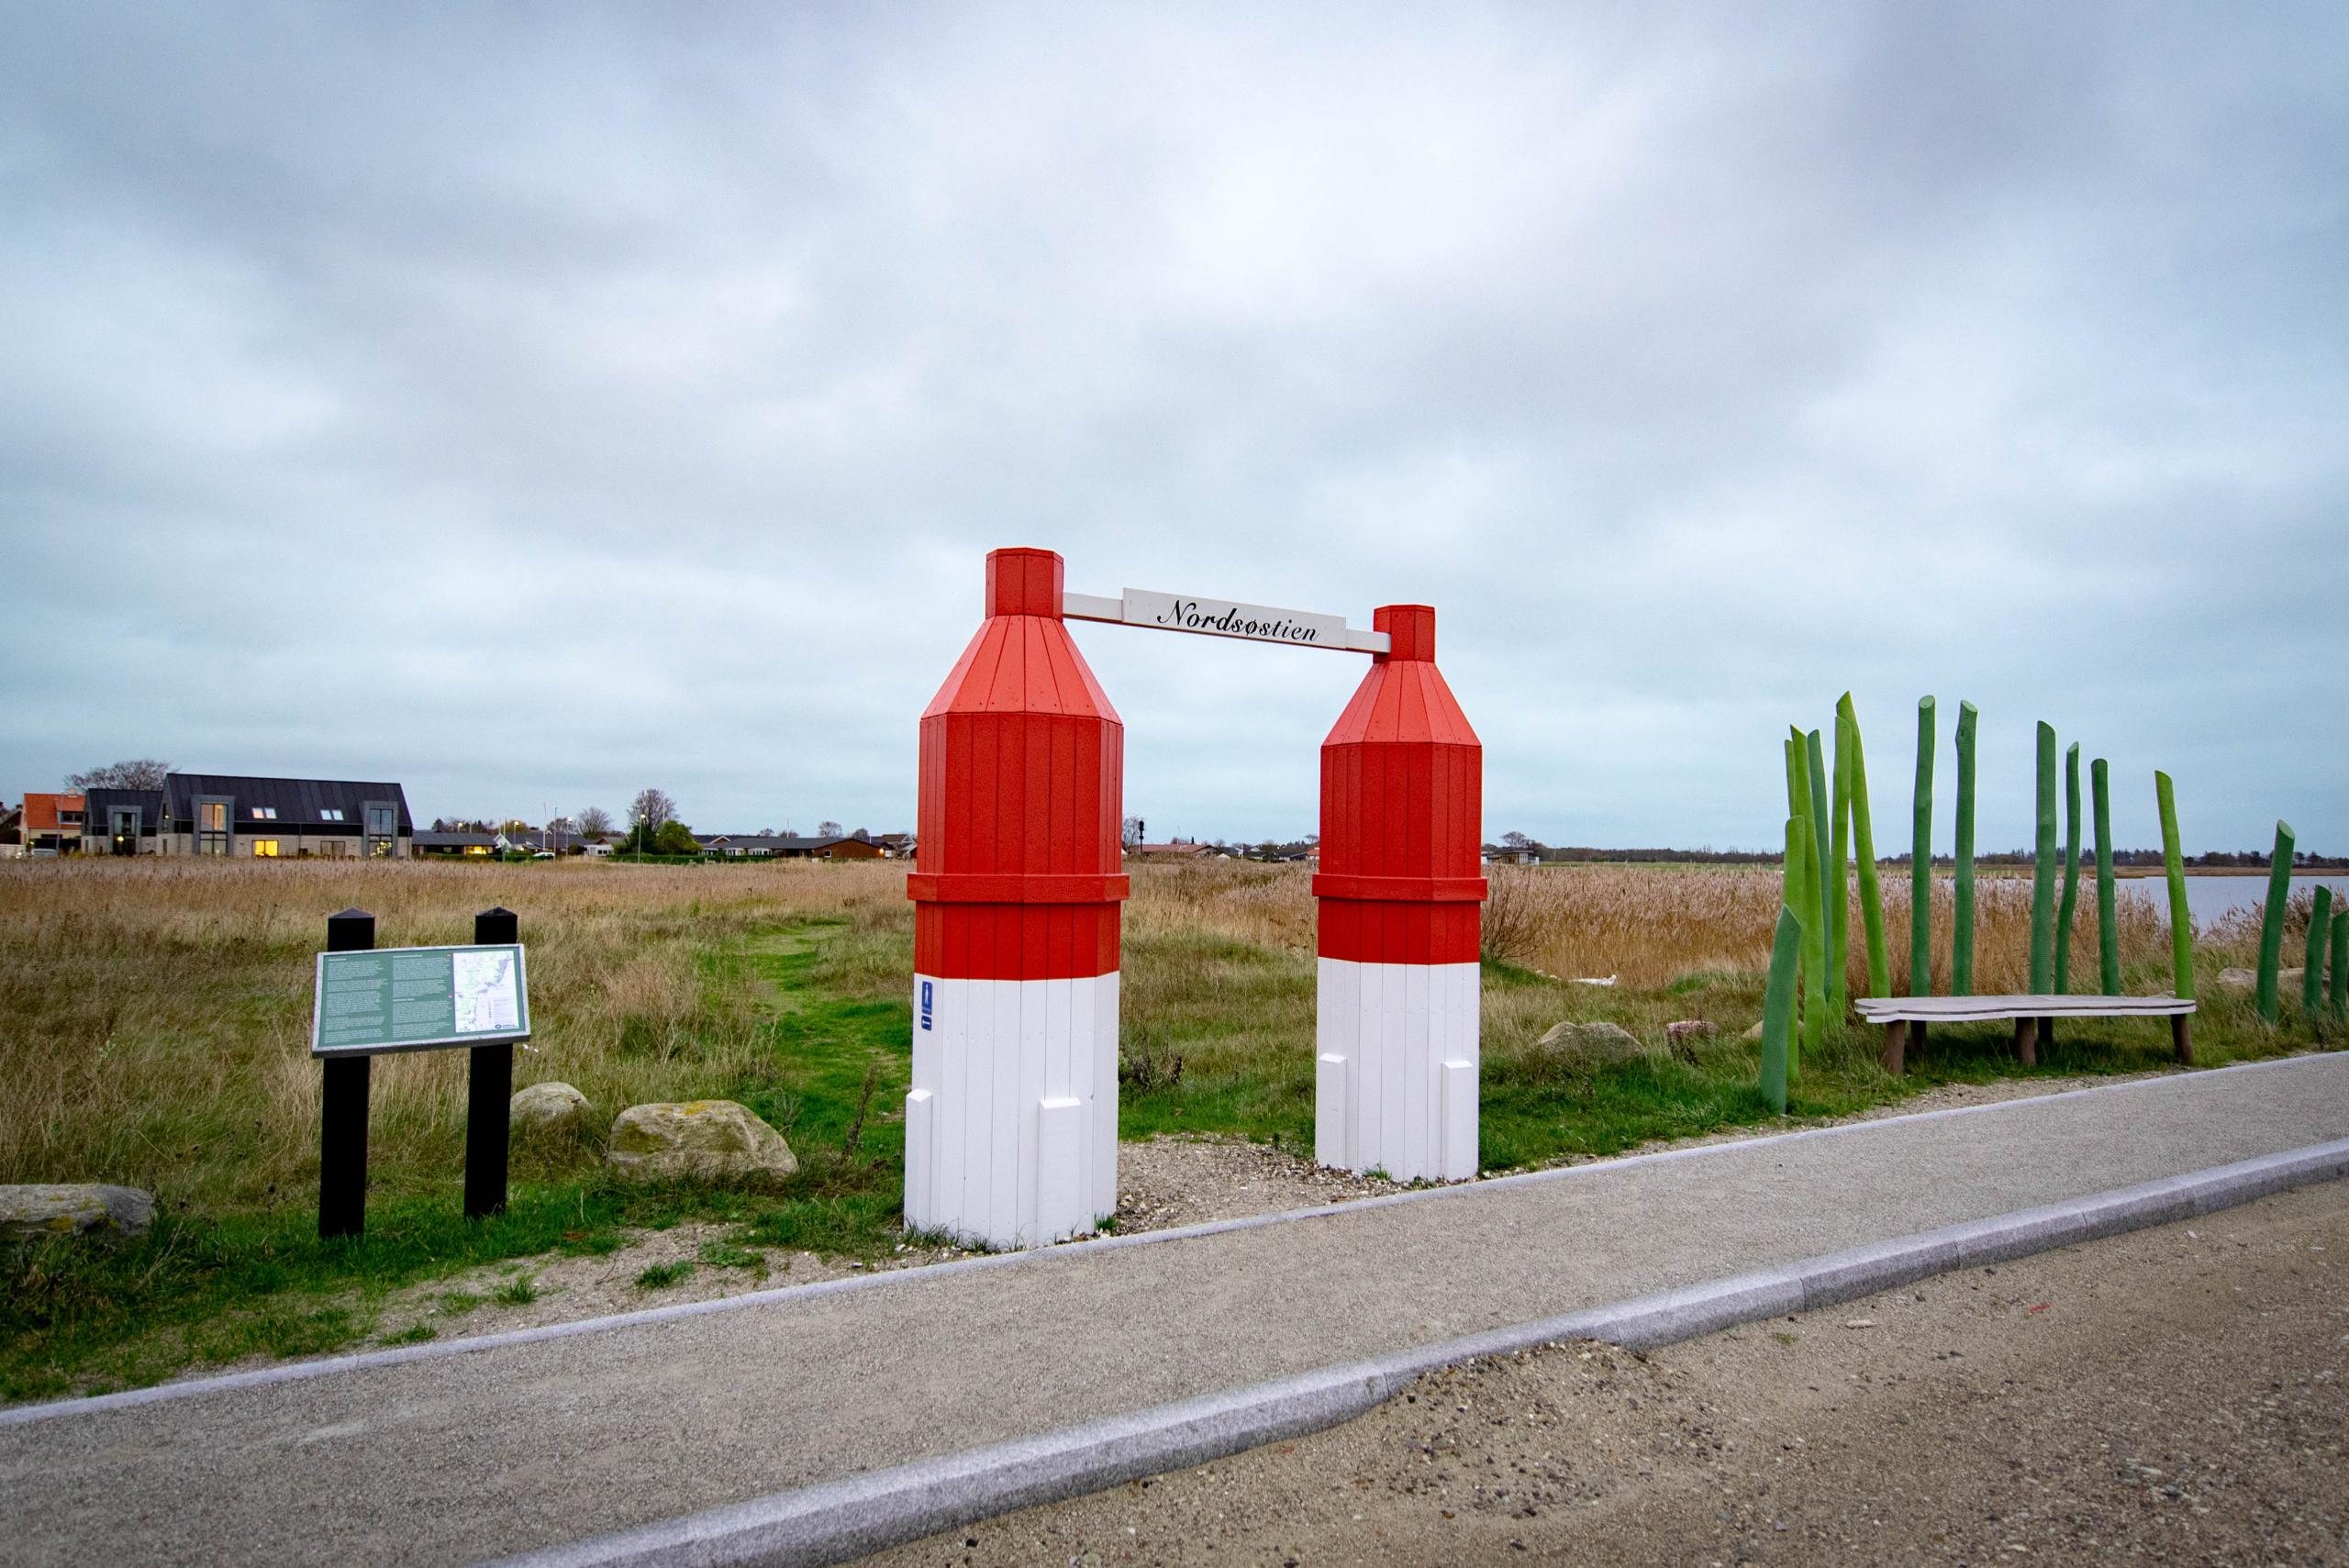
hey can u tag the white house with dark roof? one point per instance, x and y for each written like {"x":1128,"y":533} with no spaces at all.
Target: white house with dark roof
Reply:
{"x":236,"y":815}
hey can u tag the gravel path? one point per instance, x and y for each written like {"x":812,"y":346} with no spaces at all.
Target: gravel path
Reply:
{"x":1162,"y":1182}
{"x":2175,"y":1395}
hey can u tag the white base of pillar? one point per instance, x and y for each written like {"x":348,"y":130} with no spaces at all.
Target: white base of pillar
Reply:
{"x":1011,"y":1127}
{"x":1396,"y":1082}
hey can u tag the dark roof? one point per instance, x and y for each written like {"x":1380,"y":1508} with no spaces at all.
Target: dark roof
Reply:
{"x":297,"y":801}
{"x":770,"y":841}
{"x":149,"y":803}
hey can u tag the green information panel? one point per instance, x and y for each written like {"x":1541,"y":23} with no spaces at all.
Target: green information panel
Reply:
{"x":387,"y":999}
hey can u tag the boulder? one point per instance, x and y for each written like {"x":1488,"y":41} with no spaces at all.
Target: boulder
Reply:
{"x":2287,"y":981}
{"x":1590,"y":1045}
{"x":30,"y":1213}
{"x":1755,"y":1033}
{"x":547,"y":1107}
{"x":1682,"y":1036}
{"x":710,"y":1141}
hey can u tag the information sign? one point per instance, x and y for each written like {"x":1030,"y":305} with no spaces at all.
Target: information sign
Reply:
{"x":387,"y":999}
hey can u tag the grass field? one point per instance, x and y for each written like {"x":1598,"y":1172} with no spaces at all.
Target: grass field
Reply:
{"x":153,"y":1029}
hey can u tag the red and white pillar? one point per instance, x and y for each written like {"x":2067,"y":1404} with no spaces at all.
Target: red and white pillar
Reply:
{"x":1011,"y":1126}
{"x":1400,"y":891}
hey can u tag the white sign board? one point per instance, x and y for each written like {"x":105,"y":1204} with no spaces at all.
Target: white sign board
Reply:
{"x":1224,"y":617}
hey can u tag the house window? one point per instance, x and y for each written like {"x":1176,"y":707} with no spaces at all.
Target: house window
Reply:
{"x":68,"y":819}
{"x":331,"y":848}
{"x":265,"y":813}
{"x":265,"y":849}
{"x":381,"y":822}
{"x":331,"y":814}
{"x":212,"y":827}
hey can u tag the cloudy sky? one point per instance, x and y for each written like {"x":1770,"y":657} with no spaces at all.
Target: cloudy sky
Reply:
{"x":533,"y":404}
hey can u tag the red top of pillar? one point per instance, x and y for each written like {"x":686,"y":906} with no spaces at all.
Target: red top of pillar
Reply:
{"x":1023,"y":582}
{"x":1411,"y":629}
{"x":1402,"y":809}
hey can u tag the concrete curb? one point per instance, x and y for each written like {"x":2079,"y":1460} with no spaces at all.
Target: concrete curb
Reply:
{"x":841,"y":1519}
{"x":1045,"y":1256}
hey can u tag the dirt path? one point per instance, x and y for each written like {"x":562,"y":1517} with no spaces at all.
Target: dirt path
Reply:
{"x":2174,"y":1396}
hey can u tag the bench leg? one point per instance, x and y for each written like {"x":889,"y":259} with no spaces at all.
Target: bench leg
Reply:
{"x":2047,"y":1031}
{"x":1896,"y":1046}
{"x":2181,"y":1037}
{"x":2026,"y":1041}
{"x":1917,"y":1037}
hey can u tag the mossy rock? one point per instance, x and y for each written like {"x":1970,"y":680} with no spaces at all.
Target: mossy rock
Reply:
{"x":35,"y":1212}
{"x":1581,"y":1046}
{"x":710,"y":1141}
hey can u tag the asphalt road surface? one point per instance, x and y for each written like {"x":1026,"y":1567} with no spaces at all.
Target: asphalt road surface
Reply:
{"x":2175,"y":1395}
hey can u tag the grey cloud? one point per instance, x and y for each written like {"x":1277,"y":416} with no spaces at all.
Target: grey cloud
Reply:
{"x":639,"y":387}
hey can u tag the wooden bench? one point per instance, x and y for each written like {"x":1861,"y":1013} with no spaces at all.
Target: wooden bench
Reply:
{"x":2033,"y":1015}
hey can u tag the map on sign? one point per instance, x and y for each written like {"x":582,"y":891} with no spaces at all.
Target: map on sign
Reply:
{"x":383,"y":999}
{"x":487,"y":996}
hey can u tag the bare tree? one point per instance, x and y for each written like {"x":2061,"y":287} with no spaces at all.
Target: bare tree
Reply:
{"x":1129,"y":832}
{"x":139,"y":772}
{"x":827,"y":829}
{"x":650,"y":808}
{"x":593,"y":822}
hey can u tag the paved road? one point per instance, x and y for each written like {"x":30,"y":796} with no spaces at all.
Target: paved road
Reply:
{"x":466,"y":1452}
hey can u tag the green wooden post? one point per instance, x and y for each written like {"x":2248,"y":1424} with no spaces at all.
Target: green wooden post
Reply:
{"x":1921,"y":860}
{"x":2271,"y":927}
{"x":2181,"y":920}
{"x":1777,"y":1009}
{"x":2312,"y":976}
{"x":2340,"y":968}
{"x":2108,"y":929}
{"x":1839,"y":879}
{"x":1802,"y":867}
{"x":2042,"y":871}
{"x":1797,"y":785}
{"x":2071,"y":902}
{"x":1961,"y":939}
{"x":1822,"y":839}
{"x":1864,"y":853}
{"x":1778,"y":1003}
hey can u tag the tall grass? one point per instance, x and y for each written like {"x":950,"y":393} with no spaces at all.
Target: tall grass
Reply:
{"x":154,"y":1013}
{"x":1650,"y":924}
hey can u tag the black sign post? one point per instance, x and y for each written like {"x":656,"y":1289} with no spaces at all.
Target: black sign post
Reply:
{"x":489,"y":1091}
{"x":342,"y":1125}
{"x":415,"y":999}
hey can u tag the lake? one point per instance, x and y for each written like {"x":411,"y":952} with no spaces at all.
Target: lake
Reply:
{"x":2208,"y":897}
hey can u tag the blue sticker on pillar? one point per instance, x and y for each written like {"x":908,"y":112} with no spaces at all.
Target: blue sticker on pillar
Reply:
{"x":925,"y":1004}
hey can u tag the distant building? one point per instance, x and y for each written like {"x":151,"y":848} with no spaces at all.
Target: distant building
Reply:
{"x":52,"y":823}
{"x":787,"y":846}
{"x":435,"y":843}
{"x":261,"y":819}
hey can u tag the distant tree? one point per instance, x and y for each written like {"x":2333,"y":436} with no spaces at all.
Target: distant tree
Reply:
{"x":827,"y":829}
{"x":513,"y":827}
{"x":1129,"y":832}
{"x":593,"y":822}
{"x":862,"y":836}
{"x":650,"y":809}
{"x":139,"y":772}
{"x":1515,"y":840}
{"x":673,"y":839}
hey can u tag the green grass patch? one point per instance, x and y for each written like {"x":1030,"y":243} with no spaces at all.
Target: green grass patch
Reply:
{"x":661,"y":1276}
